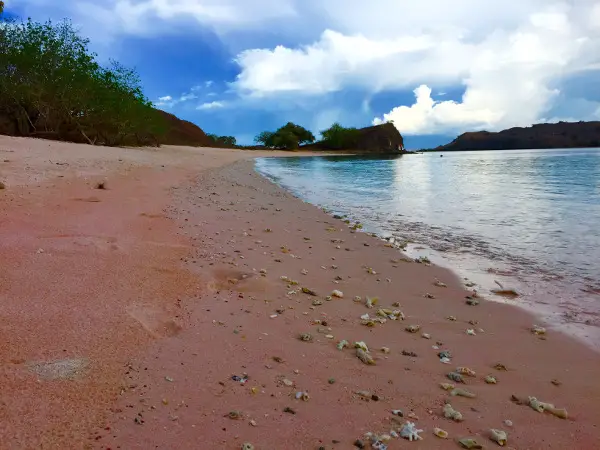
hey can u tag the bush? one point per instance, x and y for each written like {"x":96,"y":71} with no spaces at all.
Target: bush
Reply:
{"x":226,"y":141}
{"x":339,"y":137}
{"x":289,"y":137}
{"x":52,"y":86}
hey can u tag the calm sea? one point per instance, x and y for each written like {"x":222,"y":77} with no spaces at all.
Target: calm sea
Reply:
{"x":528,"y":219}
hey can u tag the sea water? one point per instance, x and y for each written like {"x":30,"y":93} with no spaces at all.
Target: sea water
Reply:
{"x":527,"y":219}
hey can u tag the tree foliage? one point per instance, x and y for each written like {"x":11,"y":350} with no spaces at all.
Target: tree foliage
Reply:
{"x":52,"y":86}
{"x":289,"y":137}
{"x":339,"y":137}
{"x":225,"y":141}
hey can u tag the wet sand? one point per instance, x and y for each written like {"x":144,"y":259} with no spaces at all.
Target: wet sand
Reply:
{"x":126,"y":312}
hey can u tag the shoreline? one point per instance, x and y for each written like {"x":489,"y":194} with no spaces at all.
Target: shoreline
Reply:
{"x":549,"y":303}
{"x":174,"y":304}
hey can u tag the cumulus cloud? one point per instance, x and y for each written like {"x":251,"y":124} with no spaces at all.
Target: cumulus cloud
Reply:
{"x":211,"y":105}
{"x":509,"y":57}
{"x":510,"y":74}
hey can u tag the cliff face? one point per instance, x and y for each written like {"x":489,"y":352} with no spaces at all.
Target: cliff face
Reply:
{"x":547,"y":135}
{"x":382,"y":139}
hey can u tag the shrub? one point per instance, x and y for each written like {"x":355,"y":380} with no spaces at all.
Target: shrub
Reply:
{"x":227,"y":141}
{"x":289,"y":137}
{"x":52,"y":86}
{"x":339,"y":137}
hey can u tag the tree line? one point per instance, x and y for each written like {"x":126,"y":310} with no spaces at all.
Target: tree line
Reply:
{"x":52,"y":86}
{"x":292,"y":136}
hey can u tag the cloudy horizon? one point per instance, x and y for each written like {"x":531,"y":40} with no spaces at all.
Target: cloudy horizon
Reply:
{"x":435,"y":68}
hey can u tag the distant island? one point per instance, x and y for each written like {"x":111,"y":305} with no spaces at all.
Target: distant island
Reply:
{"x":543,"y":135}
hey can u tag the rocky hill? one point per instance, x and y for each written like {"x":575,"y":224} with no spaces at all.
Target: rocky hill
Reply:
{"x":545,"y":135}
{"x":177,"y":131}
{"x":383,"y":138}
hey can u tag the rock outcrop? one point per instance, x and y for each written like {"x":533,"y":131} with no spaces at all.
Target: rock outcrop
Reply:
{"x":546,"y":135}
{"x":382,"y":139}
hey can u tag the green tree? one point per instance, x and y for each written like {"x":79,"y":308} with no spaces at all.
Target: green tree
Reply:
{"x":339,"y":137}
{"x":227,"y":141}
{"x":289,"y":137}
{"x":51,"y":85}
{"x":265,"y":138}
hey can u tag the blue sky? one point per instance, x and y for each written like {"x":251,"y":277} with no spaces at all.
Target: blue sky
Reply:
{"x":238,"y":67}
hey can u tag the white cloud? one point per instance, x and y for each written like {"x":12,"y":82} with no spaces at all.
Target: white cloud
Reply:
{"x":509,"y":73}
{"x":166,"y":98}
{"x":509,"y":56}
{"x":211,"y":105}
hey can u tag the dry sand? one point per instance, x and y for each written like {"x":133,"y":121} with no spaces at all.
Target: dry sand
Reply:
{"x":125,"y":312}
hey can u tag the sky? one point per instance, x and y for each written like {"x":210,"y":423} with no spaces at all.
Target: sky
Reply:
{"x":436,"y":68}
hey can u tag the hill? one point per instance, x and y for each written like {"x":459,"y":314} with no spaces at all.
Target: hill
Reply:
{"x":176,"y":131}
{"x":544,"y":135}
{"x":381,"y":139}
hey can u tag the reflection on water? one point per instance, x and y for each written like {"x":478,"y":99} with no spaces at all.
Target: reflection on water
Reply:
{"x":534,"y":214}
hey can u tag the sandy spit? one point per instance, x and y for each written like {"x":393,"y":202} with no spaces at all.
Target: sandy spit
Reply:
{"x":126,"y":311}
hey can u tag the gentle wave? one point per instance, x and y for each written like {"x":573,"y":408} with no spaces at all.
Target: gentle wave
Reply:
{"x":529,"y":218}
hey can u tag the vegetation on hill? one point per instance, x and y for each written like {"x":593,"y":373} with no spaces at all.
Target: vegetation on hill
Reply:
{"x":383,"y":138}
{"x":288,"y":137}
{"x":52,"y":86}
{"x":223,"y":141}
{"x":338,"y":137}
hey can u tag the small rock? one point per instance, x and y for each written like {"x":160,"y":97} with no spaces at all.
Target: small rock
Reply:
{"x":235,"y":415}
{"x":359,"y":444}
{"x":289,"y":410}
{"x":331,"y":381}
{"x":169,"y":379}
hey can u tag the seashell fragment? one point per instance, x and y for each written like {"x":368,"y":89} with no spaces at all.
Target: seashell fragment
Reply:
{"x":357,"y":299}
{"x":465,"y":371}
{"x":455,"y":377}
{"x":451,"y":318}
{"x":409,"y":431}
{"x":306,"y":337}
{"x":385,"y":350}
{"x":426,"y":336}
{"x":498,"y":436}
{"x":471,"y":332}
{"x":447,"y":386}
{"x":413,"y":328}
{"x":442,"y":434}
{"x":317,"y":302}
{"x":365,"y":357}
{"x":500,"y":367}
{"x":397,"y":412}
{"x":462,"y":393}
{"x":361,"y":344}
{"x":337,"y":294}
{"x":490,"y":379}
{"x":302,"y":396}
{"x":470,"y":443}
{"x":438,"y":283}
{"x":472,"y":302}
{"x":540,"y":406}
{"x":370,"y":302}
{"x":342,"y":344}
{"x":451,"y":413}
{"x":309,"y":291}
{"x":247,"y":446}
{"x":537,"y":330}
{"x":287,"y":382}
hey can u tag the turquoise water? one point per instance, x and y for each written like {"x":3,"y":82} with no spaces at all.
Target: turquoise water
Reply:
{"x":529,"y":219}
